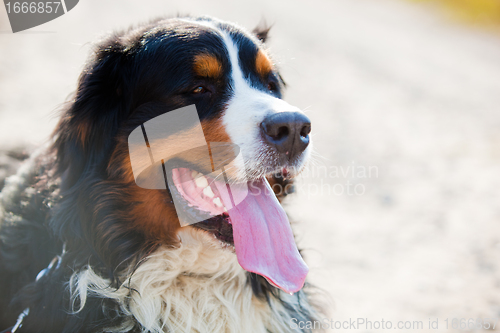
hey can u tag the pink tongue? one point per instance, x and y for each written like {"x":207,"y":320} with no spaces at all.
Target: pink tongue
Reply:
{"x":263,"y":237}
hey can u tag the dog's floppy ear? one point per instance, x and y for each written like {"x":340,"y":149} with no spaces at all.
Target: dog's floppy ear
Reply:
{"x":87,"y":127}
{"x":262,"y":31}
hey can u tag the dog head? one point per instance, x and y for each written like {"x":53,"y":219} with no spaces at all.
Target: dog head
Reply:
{"x":138,"y":75}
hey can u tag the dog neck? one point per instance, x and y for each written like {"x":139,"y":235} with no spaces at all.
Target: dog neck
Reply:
{"x":195,"y":287}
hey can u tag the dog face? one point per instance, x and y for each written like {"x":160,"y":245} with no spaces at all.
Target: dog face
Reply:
{"x":144,"y":73}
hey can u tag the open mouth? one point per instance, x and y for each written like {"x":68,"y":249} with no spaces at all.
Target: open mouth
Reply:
{"x":249,"y":217}
{"x":203,"y":202}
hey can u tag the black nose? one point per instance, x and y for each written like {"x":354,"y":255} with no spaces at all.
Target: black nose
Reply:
{"x":287,"y":132}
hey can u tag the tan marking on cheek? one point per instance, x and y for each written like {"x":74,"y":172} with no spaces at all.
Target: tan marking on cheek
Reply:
{"x":151,"y":211}
{"x":154,"y":214}
{"x":180,"y":144}
{"x":214,"y":130}
{"x":263,"y":64}
{"x":207,"y":65}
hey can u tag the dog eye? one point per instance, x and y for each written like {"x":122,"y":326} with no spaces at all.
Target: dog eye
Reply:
{"x":272,"y":86}
{"x":199,"y":90}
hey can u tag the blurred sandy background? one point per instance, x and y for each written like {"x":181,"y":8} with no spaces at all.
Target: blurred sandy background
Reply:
{"x":392,"y":87}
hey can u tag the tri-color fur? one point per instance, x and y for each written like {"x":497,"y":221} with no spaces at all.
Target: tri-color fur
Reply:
{"x":125,"y":264}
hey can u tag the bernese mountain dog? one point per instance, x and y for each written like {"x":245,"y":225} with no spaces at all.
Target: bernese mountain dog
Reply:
{"x":84,"y":248}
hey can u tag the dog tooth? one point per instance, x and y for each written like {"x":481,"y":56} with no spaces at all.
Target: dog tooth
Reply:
{"x":194,"y":174}
{"x":201,"y":182}
{"x":208,"y":192}
{"x":217,"y":202}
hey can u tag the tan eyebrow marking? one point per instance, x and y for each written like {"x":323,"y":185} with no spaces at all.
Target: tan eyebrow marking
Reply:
{"x":263,"y":64}
{"x":207,"y":65}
